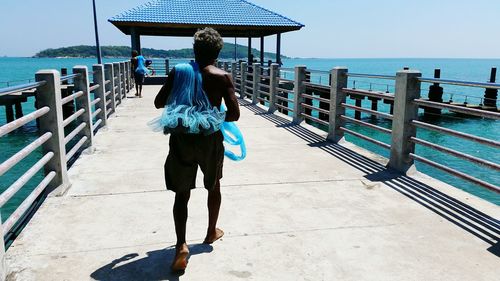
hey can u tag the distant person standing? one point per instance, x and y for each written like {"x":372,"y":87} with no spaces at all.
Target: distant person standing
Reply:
{"x":140,"y":71}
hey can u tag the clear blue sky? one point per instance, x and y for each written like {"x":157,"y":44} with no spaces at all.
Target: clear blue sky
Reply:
{"x":334,"y":28}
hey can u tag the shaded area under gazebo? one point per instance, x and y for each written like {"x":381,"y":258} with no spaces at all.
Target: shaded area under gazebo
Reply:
{"x":231,"y":18}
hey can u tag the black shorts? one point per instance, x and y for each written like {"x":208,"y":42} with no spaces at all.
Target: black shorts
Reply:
{"x":187,"y":152}
{"x":139,"y":78}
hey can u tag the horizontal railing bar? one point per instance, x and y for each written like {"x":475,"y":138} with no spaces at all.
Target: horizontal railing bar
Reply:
{"x":283,"y":99}
{"x":94,"y":87}
{"x":71,"y":97}
{"x":314,"y":119}
{"x":368,"y":93}
{"x":283,"y":90}
{"x":107,"y":82}
{"x":108,"y":102}
{"x":374,"y":141}
{"x":464,"y":110}
{"x":107,"y":93}
{"x":319,"y":71}
{"x":375,"y":76}
{"x":75,"y":132}
{"x":264,"y":86}
{"x":70,"y":76}
{"x":11,"y":126}
{"x":461,"y":83}
{"x":456,"y":173}
{"x":283,"y":107}
{"x":20,"y":88}
{"x":96,"y":112}
{"x":18,"y":213}
{"x":286,"y":80}
{"x":108,"y":112}
{"x":362,"y":123}
{"x":287,"y":69}
{"x":27,"y":150}
{"x":75,"y":148}
{"x":373,"y":112}
{"x":262,"y":99}
{"x":469,"y":137}
{"x":456,"y":153}
{"x":97,"y":123}
{"x":265,"y":76}
{"x":94,"y":102}
{"x":316,"y":98}
{"x":264,"y":93}
{"x":325,"y":111}
{"x":21,"y":181}
{"x":73,"y":117}
{"x":321,"y":88}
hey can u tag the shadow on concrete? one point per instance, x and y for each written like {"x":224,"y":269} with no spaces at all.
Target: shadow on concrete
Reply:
{"x":156,"y":266}
{"x":457,"y":212}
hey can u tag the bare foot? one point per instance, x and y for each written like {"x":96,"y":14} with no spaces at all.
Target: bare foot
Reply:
{"x":212,"y":237}
{"x":180,"y":259}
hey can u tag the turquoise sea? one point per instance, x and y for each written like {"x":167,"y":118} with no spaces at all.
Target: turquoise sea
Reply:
{"x":20,"y":70}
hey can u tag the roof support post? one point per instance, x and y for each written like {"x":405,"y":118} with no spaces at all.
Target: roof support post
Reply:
{"x":250,"y":60}
{"x":262,"y":50}
{"x":278,"y":48}
{"x":136,"y":39}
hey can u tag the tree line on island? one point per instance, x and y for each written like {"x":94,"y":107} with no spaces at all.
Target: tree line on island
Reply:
{"x":123,"y":51}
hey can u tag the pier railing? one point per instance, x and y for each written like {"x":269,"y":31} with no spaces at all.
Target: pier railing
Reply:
{"x":61,"y":138}
{"x":325,"y":106}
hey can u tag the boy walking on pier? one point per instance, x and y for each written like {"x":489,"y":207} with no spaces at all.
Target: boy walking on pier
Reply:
{"x":190,"y":150}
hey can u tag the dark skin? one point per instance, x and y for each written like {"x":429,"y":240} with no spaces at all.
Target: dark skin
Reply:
{"x":218,"y":86}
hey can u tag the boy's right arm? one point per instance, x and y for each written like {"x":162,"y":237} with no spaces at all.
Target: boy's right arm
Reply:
{"x":233,"y":108}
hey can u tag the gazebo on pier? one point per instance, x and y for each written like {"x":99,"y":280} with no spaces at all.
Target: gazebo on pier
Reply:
{"x":231,"y":18}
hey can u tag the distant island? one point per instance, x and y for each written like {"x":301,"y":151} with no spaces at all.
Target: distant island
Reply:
{"x":84,"y":51}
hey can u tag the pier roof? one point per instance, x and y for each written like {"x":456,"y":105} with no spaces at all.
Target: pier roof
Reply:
{"x":232,"y":18}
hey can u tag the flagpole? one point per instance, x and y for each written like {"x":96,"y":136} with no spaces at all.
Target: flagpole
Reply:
{"x":98,"y":46}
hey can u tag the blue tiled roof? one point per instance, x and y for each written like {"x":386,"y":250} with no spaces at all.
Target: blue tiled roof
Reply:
{"x":205,"y":12}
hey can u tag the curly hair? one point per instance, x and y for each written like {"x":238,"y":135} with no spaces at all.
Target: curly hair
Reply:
{"x":207,"y":44}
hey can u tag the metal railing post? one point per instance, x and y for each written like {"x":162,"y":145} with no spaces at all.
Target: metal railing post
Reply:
{"x":116,"y":73}
{"x":127,"y":76}
{"x":226,"y":66}
{"x":256,"y":81}
{"x":337,"y":97}
{"x":3,"y":267}
{"x":50,"y":95}
{"x":100,"y":93}
{"x":407,"y":89}
{"x":298,"y":90}
{"x":122,"y":80}
{"x":81,"y":83}
{"x":243,"y":80}
{"x":109,"y":74}
{"x":234,"y":72}
{"x":273,"y":86}
{"x":167,"y":66}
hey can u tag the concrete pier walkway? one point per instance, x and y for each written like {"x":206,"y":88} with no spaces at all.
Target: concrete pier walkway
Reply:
{"x":297,"y":208}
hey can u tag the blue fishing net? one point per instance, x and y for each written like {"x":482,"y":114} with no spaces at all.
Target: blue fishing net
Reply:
{"x":189,"y":111}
